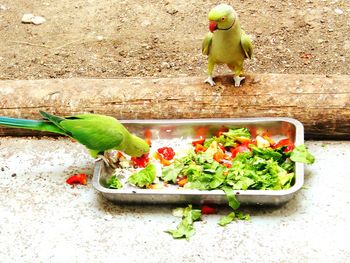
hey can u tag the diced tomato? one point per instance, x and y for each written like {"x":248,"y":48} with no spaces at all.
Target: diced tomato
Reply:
{"x":77,"y":179}
{"x":148,"y":136}
{"x":285,"y":142}
{"x":201,"y":131}
{"x":252,"y":131}
{"x":239,"y":149}
{"x":163,"y":161}
{"x":147,"y":133}
{"x":200,"y":140}
{"x":182,"y":181}
{"x":246,"y":143}
{"x":199,"y":148}
{"x":243,"y":139}
{"x":208,"y":210}
{"x":228,"y":165}
{"x":289,"y":148}
{"x":221,"y":131}
{"x":140,"y":161}
{"x":219,"y":156}
{"x":167,"y":153}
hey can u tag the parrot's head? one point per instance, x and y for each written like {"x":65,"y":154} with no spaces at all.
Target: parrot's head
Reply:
{"x":222,"y":17}
{"x":137,"y":147}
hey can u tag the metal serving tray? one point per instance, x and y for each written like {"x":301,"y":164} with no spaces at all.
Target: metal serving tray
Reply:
{"x":169,"y":129}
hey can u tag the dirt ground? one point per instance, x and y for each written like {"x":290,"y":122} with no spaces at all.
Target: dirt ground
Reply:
{"x":109,"y":39}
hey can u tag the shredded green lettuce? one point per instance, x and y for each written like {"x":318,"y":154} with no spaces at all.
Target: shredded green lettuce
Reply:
{"x":225,"y":220}
{"x":185,"y":229}
{"x":238,"y":133}
{"x":231,"y":197}
{"x":114,"y":182}
{"x":144,"y":177}
{"x":301,"y":154}
{"x":261,"y":169}
{"x":170,"y":173}
{"x":230,"y":138}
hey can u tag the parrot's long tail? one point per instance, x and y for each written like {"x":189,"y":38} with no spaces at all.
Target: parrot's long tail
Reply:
{"x":31,"y":124}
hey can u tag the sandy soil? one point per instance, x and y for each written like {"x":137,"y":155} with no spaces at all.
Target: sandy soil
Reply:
{"x":109,"y":39}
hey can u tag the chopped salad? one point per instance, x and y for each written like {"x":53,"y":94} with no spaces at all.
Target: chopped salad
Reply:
{"x":231,"y":160}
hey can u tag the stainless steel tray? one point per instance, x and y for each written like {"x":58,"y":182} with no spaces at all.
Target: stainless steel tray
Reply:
{"x":168,"y":129}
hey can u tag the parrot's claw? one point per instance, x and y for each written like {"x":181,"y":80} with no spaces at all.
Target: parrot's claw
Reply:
{"x":210,"y":81}
{"x":238,"y":80}
{"x":107,"y":159}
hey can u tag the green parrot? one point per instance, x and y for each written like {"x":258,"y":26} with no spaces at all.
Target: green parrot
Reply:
{"x":226,"y":43}
{"x":98,"y":133}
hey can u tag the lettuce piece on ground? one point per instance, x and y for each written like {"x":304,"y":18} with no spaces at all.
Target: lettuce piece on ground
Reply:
{"x":185,"y":229}
{"x":302,"y":155}
{"x":225,"y":220}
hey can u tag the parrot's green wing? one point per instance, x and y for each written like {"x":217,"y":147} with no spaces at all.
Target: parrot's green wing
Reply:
{"x":96,"y":134}
{"x":247,"y":45}
{"x":207,"y":43}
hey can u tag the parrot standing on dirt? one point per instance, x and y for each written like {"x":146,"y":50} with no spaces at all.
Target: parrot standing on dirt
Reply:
{"x":98,"y":133}
{"x":226,"y":43}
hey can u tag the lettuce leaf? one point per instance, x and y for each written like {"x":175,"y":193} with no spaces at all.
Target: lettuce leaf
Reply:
{"x":171,"y":172}
{"x":225,"y":220}
{"x":237,"y":133}
{"x":302,"y":155}
{"x":229,"y":139}
{"x":185,"y":229}
{"x":231,"y":197}
{"x":114,"y":182}
{"x":144,"y":177}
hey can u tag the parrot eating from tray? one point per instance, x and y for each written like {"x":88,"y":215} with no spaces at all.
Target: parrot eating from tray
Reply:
{"x":226,"y":43}
{"x":98,"y":133}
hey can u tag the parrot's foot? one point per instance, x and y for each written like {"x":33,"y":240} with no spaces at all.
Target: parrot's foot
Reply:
{"x":107,"y":159}
{"x":238,"y":80}
{"x":210,"y":81}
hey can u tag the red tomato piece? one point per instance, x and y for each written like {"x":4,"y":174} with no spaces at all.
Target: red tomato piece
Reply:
{"x":228,"y":165}
{"x":77,"y":179}
{"x":219,"y":156}
{"x":182,"y":181}
{"x":200,"y":140}
{"x":208,"y":210}
{"x":239,"y":149}
{"x":140,"y":161}
{"x":221,"y":131}
{"x":253,"y":131}
{"x":163,"y":161}
{"x":285,"y":142}
{"x":148,"y":136}
{"x":167,"y":153}
{"x":199,"y":148}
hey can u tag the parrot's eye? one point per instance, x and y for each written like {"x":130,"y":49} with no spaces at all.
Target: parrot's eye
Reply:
{"x":222,"y":18}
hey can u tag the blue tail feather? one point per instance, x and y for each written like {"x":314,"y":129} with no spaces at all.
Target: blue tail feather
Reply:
{"x":30,"y":124}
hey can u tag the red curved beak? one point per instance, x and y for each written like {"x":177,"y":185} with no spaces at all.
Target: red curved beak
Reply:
{"x":212,"y":26}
